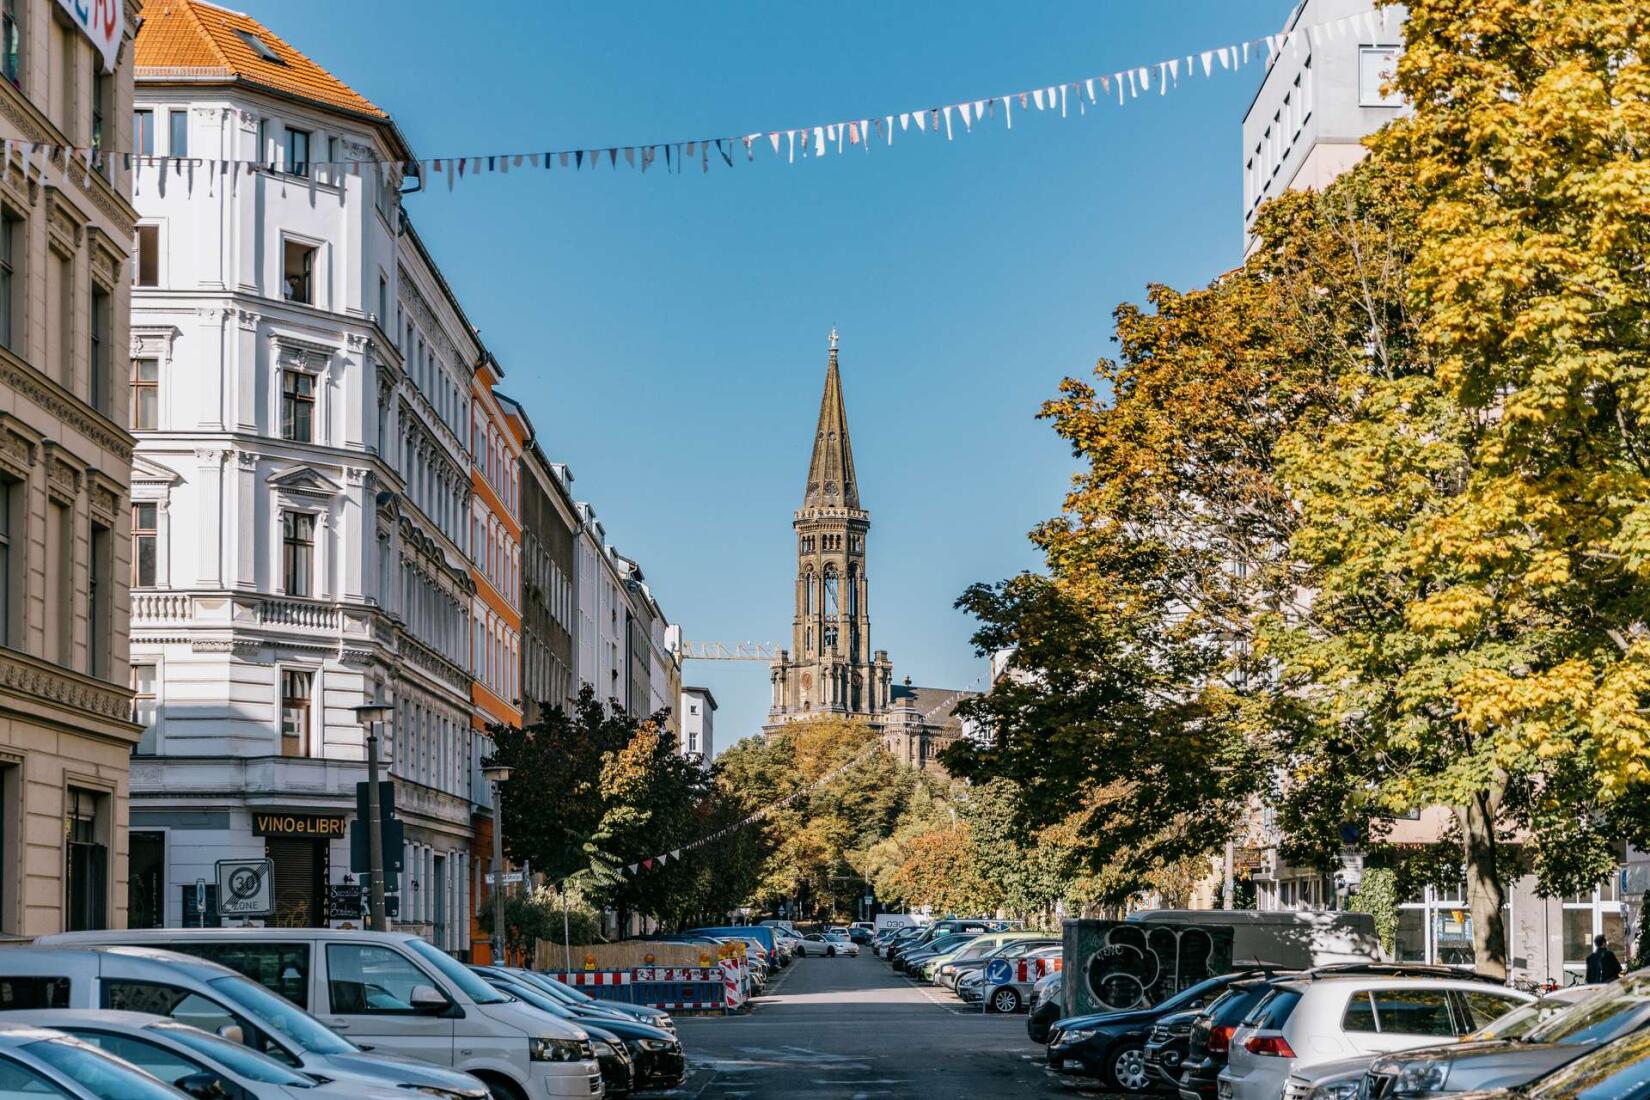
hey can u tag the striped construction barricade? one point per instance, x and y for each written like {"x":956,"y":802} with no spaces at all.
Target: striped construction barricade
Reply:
{"x":604,"y":985}
{"x":679,"y":988}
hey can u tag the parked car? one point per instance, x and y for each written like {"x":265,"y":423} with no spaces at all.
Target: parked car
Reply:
{"x":861,"y":933}
{"x":820,"y":944}
{"x":192,"y":1060}
{"x":1323,"y":1016}
{"x":1045,"y":1008}
{"x":978,"y":956}
{"x":891,"y":940}
{"x":761,"y":933}
{"x":652,"y":1056}
{"x":1514,"y":1024}
{"x":38,"y":1062}
{"x":1208,"y":1042}
{"x":568,"y":995}
{"x":1613,"y":1010}
{"x":1112,"y":1045}
{"x":393,"y":992}
{"x":1166,"y":1046}
{"x":908,"y":958}
{"x":210,"y":997}
{"x":1610,"y":1071}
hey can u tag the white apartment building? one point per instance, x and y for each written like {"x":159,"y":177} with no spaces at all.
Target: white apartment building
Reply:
{"x":1320,"y":97}
{"x":299,"y":382}
{"x":698,"y":717}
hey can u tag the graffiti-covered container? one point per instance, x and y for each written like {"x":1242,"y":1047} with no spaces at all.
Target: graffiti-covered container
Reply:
{"x":1114,"y":966}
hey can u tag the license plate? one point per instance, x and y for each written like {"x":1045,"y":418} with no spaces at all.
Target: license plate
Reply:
{"x":1223,"y":1089}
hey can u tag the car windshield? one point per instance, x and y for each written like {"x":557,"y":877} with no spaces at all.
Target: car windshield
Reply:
{"x":457,"y":973}
{"x":98,"y":1073}
{"x":237,"y":1056}
{"x":282,"y":1015}
{"x":1202,"y":991}
{"x":1607,"y":1072}
{"x":1601,"y":1017}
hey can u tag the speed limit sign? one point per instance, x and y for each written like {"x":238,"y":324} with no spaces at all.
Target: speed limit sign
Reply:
{"x":246,"y":887}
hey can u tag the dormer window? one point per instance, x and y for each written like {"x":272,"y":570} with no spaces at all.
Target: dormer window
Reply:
{"x":259,"y":46}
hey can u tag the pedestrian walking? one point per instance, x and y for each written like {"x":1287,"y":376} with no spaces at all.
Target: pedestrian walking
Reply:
{"x":1602,"y":964}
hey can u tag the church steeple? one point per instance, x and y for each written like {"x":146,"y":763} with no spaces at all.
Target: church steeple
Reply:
{"x":831,"y":480}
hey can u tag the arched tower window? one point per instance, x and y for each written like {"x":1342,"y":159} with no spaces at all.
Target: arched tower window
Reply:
{"x":853,"y":592}
{"x":830,"y":593}
{"x":808,"y":593}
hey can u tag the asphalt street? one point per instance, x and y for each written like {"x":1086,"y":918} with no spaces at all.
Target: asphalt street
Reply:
{"x":850,"y":1028}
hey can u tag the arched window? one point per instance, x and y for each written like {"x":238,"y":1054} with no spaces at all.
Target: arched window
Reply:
{"x":808,"y":593}
{"x":853,"y":593}
{"x":830,"y":594}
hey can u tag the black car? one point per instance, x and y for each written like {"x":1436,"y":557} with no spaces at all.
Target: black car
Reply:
{"x":1041,"y":1018}
{"x":655,"y":1054}
{"x":1209,"y":1041}
{"x":1166,"y":1046}
{"x":1112,"y":1045}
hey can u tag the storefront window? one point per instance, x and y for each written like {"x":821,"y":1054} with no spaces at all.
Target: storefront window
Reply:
{"x":1598,"y":912}
{"x":1412,"y":935}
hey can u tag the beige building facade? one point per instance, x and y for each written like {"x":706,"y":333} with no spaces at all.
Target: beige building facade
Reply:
{"x":66,"y":729}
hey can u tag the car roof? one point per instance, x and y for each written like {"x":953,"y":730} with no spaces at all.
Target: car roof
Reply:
{"x":51,"y":1017}
{"x":95,"y":954}
{"x":17,"y":1035}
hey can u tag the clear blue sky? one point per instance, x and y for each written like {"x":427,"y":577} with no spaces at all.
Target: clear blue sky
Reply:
{"x":667,"y":333}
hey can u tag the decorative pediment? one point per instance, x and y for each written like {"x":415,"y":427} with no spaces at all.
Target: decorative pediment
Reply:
{"x":305,"y":481}
{"x":149,"y":472}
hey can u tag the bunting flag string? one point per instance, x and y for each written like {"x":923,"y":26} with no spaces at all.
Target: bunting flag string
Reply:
{"x":813,"y":141}
{"x":675,"y":854}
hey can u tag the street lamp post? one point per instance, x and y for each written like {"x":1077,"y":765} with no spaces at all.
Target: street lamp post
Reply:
{"x":497,"y":774}
{"x":369,"y":716}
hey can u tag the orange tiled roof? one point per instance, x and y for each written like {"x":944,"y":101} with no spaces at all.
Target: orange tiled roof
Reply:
{"x":196,"y":39}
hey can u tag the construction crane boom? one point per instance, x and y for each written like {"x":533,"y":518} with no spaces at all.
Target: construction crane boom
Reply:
{"x":721,"y":651}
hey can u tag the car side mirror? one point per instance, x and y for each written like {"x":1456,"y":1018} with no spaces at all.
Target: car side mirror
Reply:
{"x":202,"y":1086}
{"x":427,"y":1000}
{"x":232,"y":1032}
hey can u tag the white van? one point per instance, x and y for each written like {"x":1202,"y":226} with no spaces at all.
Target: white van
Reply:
{"x":394,"y":992}
{"x":215,"y":999}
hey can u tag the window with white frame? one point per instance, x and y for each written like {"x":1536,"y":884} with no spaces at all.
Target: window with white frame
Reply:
{"x":296,"y":686}
{"x":297,"y":553}
{"x":297,"y":405}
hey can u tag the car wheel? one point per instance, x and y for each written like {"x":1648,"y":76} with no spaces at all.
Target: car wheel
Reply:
{"x":1126,"y":1068}
{"x":1006,"y":1000}
{"x":830,"y":952}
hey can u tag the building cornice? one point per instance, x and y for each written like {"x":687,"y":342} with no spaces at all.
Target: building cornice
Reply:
{"x":44,"y":691}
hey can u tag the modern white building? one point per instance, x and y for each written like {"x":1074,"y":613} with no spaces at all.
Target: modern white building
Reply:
{"x":603,"y":612}
{"x":698,"y":718}
{"x":300,"y":379}
{"x":1321,"y":96}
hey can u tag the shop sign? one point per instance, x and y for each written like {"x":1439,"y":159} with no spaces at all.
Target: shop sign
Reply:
{"x":324,"y":826}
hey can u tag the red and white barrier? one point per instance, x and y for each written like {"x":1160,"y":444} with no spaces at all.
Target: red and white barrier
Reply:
{"x":676,"y":974}
{"x":735,"y":984}
{"x":1030,"y":970}
{"x":602,"y":977}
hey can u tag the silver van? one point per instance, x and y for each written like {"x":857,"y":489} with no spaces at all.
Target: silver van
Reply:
{"x":395,"y":992}
{"x":212,"y":998}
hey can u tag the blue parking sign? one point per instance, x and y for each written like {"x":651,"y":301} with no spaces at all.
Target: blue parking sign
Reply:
{"x":999,"y":972}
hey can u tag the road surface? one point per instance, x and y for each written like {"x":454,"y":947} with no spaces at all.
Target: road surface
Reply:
{"x":850,"y":1028}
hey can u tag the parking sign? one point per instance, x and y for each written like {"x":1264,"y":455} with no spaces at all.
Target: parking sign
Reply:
{"x":246,"y":887}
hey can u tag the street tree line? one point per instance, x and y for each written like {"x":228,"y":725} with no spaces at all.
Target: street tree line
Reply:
{"x":1363,"y":525}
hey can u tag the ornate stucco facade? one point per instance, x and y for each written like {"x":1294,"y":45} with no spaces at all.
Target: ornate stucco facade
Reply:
{"x":65,"y":470}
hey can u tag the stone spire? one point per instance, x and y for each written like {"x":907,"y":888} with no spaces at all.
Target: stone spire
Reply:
{"x":831,"y":480}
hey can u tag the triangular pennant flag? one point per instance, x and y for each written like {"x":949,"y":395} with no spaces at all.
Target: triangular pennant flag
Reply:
{"x":630,"y":156}
{"x":888,"y":127}
{"x":750,"y":151}
{"x":905,"y":120}
{"x":533,"y":159}
{"x":563,"y":158}
{"x":922,"y":120}
{"x":647,"y":863}
{"x":727,"y":154}
{"x":1225,"y":55}
{"x":1162,"y":78}
{"x":613,"y":157}
{"x":773,"y":139}
{"x":632,"y":868}
{"x":947,"y":123}
{"x":790,"y":136}
{"x":853,"y":133}
{"x":578,"y":159}
{"x":1008,"y":111}
{"x":677,"y":853}
{"x":1245,"y":53}
{"x":1037,"y":98}
{"x":1062,"y":101}
{"x":1088,"y":85}
{"x":662,"y":859}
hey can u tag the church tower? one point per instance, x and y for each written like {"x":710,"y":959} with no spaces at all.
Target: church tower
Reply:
{"x":830,"y":667}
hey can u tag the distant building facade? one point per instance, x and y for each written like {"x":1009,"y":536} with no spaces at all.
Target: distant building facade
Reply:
{"x":66,"y":728}
{"x":549,"y":599}
{"x":698,"y":720}
{"x":831,"y":667}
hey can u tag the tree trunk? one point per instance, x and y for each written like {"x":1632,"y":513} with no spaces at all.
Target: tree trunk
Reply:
{"x":1485,"y":894}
